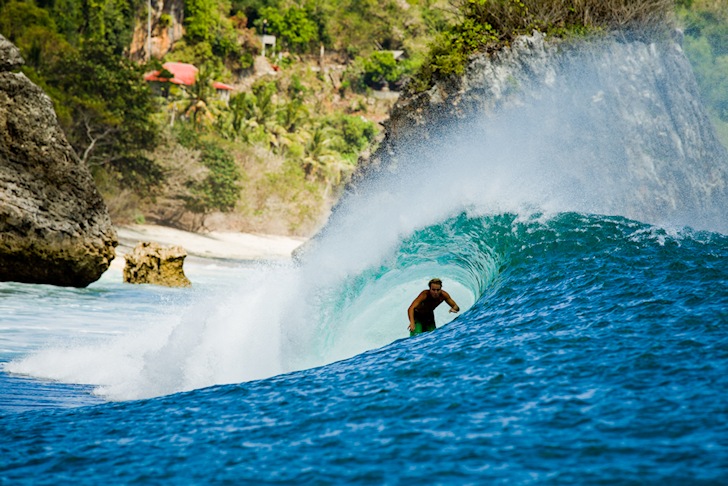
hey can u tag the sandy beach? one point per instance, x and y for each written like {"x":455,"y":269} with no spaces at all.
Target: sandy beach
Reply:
{"x":216,"y":245}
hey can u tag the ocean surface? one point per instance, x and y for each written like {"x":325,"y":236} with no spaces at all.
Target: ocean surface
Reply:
{"x":591,"y":348}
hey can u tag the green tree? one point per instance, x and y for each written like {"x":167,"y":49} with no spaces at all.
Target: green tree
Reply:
{"x":706,"y":46}
{"x":293,"y":27}
{"x":254,"y":108}
{"x":107,"y":22}
{"x":207,"y":21}
{"x":68,"y":17}
{"x":374,"y":71}
{"x":220,"y":189}
{"x":317,"y":153}
{"x":355,"y":135}
{"x":16,"y":17}
{"x":199,"y":106}
{"x":34,"y":32}
{"x":292,"y":115}
{"x":200,"y":20}
{"x":106,"y":111}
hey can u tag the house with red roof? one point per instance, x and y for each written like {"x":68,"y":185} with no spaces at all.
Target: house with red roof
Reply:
{"x":223,"y":90}
{"x":181,"y":73}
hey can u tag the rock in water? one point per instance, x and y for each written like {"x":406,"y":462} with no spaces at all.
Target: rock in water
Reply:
{"x":154,"y":264}
{"x":54,"y":225}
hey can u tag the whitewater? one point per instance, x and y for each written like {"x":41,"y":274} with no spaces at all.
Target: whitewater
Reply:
{"x":591,"y":346}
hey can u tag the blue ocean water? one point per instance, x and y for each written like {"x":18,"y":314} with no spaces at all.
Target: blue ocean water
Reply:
{"x":594,"y":351}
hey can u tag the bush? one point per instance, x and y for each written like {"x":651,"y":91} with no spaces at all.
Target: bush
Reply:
{"x":356,"y":134}
{"x":492,"y":24}
{"x":292,"y":26}
{"x":219,"y":190}
{"x":375,"y":71}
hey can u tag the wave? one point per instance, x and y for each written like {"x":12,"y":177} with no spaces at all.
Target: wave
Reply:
{"x":477,"y":203}
{"x":288,"y":320}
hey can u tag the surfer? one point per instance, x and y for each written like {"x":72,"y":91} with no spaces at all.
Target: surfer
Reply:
{"x":421,"y":312}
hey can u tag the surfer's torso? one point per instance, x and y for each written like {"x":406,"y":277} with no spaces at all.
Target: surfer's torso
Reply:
{"x":425,"y":311}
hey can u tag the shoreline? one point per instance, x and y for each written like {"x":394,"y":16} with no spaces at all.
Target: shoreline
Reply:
{"x":215,"y":245}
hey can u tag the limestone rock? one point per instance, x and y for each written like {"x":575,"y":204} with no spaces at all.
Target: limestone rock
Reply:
{"x":167,"y":27}
{"x":154,"y":264}
{"x":54,"y":225}
{"x":10,"y":58}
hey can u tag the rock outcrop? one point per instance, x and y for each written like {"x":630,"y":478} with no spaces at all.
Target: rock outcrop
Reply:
{"x":166,"y":25}
{"x":151,"y":263}
{"x":54,"y":226}
{"x":620,"y":119}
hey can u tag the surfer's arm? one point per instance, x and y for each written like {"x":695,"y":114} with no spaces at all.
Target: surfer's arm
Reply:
{"x":453,"y":306}
{"x":411,"y":311}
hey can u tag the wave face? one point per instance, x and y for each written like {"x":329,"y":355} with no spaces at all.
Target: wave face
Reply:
{"x":591,"y":348}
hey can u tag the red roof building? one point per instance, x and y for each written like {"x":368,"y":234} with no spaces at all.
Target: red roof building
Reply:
{"x":186,"y":74}
{"x":183,"y":74}
{"x":222,"y":86}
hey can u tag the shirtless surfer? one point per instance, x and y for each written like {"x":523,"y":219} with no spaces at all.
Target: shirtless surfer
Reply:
{"x":421,"y":312}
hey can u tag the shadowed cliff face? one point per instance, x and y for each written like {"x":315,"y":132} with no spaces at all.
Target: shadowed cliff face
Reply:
{"x":611,"y":127}
{"x":54,"y":226}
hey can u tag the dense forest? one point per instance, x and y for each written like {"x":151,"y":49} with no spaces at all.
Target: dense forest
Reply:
{"x":273,"y":156}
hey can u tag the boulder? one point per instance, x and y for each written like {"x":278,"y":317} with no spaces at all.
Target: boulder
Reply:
{"x":54,"y":225}
{"x":152,"y":263}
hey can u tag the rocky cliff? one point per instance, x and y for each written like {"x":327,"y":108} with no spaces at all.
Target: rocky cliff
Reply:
{"x":615,"y":122}
{"x":166,"y":25}
{"x":54,"y":226}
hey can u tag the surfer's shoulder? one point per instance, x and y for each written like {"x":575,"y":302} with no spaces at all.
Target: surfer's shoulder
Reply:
{"x":423,"y":296}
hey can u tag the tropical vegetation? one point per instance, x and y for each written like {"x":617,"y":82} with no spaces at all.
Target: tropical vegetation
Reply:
{"x":274,"y":156}
{"x":705,"y":25}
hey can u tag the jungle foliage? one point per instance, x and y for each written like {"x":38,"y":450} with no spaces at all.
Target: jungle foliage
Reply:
{"x":706,"y":45}
{"x":281,"y":148}
{"x":74,"y":50}
{"x":484,"y":25}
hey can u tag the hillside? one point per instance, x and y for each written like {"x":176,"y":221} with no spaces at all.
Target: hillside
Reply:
{"x":273,"y":153}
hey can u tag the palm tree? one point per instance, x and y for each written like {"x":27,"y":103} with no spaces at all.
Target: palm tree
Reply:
{"x":292,"y":115}
{"x":199,"y":97}
{"x":316,"y":153}
{"x":252,"y":110}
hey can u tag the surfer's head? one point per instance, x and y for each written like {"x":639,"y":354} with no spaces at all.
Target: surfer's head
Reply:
{"x":435,"y":286}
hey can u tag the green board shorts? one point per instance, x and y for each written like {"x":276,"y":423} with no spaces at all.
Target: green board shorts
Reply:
{"x":421,"y":327}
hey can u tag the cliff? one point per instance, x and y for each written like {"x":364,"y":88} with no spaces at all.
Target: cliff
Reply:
{"x":166,"y":25}
{"x":54,"y":226}
{"x":616,"y":123}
